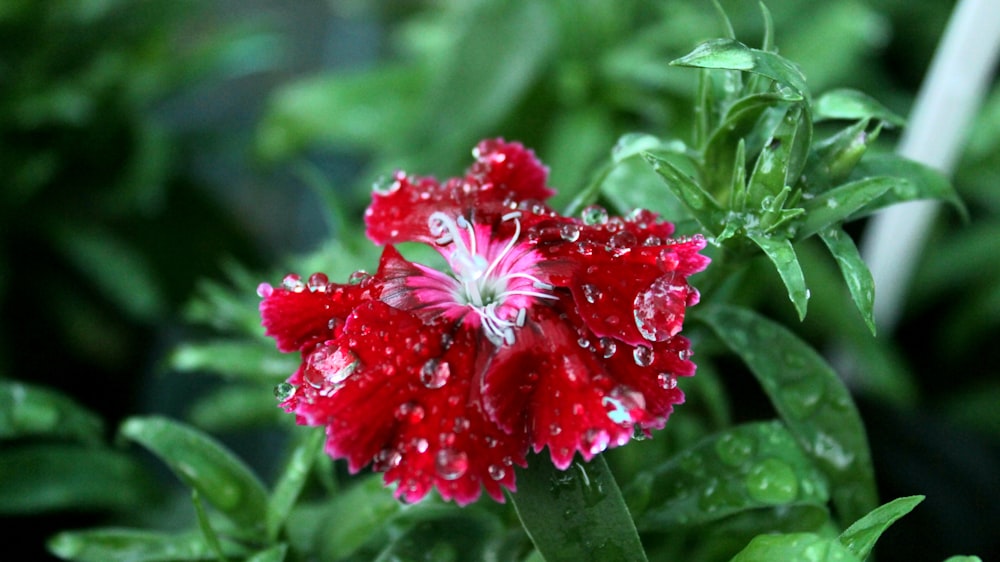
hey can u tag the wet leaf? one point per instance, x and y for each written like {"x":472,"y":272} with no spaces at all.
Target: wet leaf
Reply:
{"x":204,"y":465}
{"x":835,"y":206}
{"x":855,"y":272}
{"x":31,"y":411}
{"x":832,"y":159}
{"x":732,"y":55}
{"x":700,"y":204}
{"x":242,"y":359}
{"x":860,"y":537}
{"x":804,"y":547}
{"x":101,"y":545}
{"x":292,"y":480}
{"x":274,"y":554}
{"x":744,"y":468}
{"x":41,"y":478}
{"x":575,"y":515}
{"x":852,"y":104}
{"x":916,"y":181}
{"x":810,"y":398}
{"x":782,"y":255}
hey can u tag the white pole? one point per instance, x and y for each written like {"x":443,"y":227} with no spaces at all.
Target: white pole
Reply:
{"x":950,"y":96}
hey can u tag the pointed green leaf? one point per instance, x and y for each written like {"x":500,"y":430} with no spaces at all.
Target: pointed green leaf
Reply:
{"x":276,"y":553}
{"x":743,"y":468}
{"x":205,"y":465}
{"x":243,"y":359}
{"x":782,"y":255}
{"x":855,"y":271}
{"x":43,"y":477}
{"x":699,"y":203}
{"x":575,"y":515}
{"x":292,"y":480}
{"x":809,"y":397}
{"x":833,"y":159}
{"x":101,"y":545}
{"x":860,"y":537}
{"x":853,"y":105}
{"x":835,"y":206}
{"x":732,"y":55}
{"x":917,"y":181}
{"x":796,"y":546}
{"x":740,"y":119}
{"x":28,"y":410}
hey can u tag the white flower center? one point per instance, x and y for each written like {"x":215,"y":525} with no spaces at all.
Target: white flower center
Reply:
{"x":497,"y":282}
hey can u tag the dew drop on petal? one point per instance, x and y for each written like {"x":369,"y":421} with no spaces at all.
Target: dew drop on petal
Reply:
{"x":595,"y":440}
{"x":659,"y":310}
{"x":293,"y":282}
{"x":328,"y":367}
{"x":451,"y":464}
{"x":607,"y":346}
{"x":622,"y":240}
{"x":435,"y":373}
{"x":643,"y":355}
{"x":264,"y":290}
{"x":594,"y":215}
{"x":318,"y":282}
{"x":284,"y":391}
{"x":666,"y":381}
{"x":357,"y":277}
{"x":497,"y":471}
{"x":555,"y":429}
{"x":667,"y":260}
{"x":569,"y":232}
{"x":461,"y":424}
{"x":410,"y":412}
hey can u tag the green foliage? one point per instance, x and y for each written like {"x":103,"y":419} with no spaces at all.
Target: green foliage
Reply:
{"x":764,"y":151}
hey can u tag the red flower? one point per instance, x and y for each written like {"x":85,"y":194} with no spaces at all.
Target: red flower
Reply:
{"x":545,"y":331}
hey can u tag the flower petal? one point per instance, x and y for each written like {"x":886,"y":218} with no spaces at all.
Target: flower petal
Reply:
{"x":503,"y":175}
{"x":301,"y":317}
{"x":399,"y":394}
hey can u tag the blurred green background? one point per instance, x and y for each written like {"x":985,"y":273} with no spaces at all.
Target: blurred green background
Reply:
{"x":153,"y":152}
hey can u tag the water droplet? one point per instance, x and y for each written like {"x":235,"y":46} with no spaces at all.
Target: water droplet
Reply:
{"x":666,"y":381}
{"x":734,"y":449}
{"x":293,"y":282}
{"x":497,"y":472}
{"x":435,"y":373}
{"x":659,"y":310}
{"x":451,"y":464}
{"x":357,"y":277}
{"x":803,"y":397}
{"x":410,"y":412}
{"x":622,"y":240}
{"x":667,"y":260}
{"x":264,"y":290}
{"x":607,"y":347}
{"x":591,"y":293}
{"x":386,"y":459}
{"x":594,"y":214}
{"x":583,"y":342}
{"x":555,"y":428}
{"x":284,"y":391}
{"x":772,"y":481}
{"x":329,"y":366}
{"x":318,"y":282}
{"x":461,"y":424}
{"x":643,"y":355}
{"x":595,"y":440}
{"x":569,"y":232}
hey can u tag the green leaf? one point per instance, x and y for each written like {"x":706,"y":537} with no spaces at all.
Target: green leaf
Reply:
{"x":292,"y":480}
{"x":961,"y":558}
{"x":809,"y":397}
{"x":204,"y":465}
{"x":852,"y":105}
{"x":242,"y":359}
{"x":740,"y":119}
{"x":699,"y":202}
{"x":577,"y":514}
{"x":855,"y":272}
{"x":28,"y":411}
{"x":860,"y":537}
{"x":917,"y":181}
{"x":469,"y":535}
{"x":101,"y":545}
{"x":833,"y":159}
{"x":235,"y":407}
{"x":42,"y":477}
{"x":346,"y":109}
{"x":830,"y":208}
{"x":807,"y":547}
{"x":744,"y":468}
{"x":729,"y":54}
{"x":276,"y":553}
{"x":782,"y":255}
